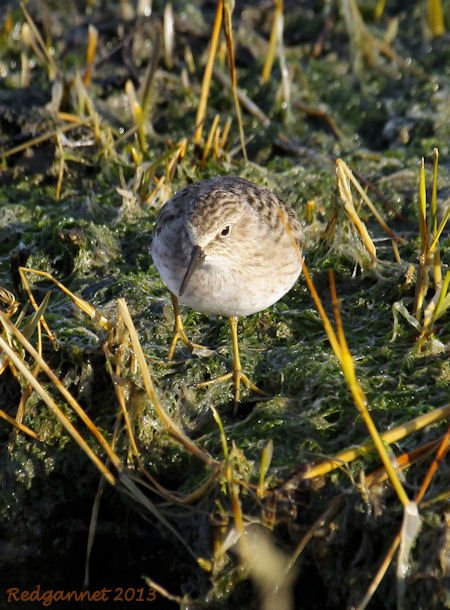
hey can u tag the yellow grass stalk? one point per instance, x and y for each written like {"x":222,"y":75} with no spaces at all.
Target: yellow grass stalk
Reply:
{"x":423,"y":229}
{"x":436,"y":18}
{"x":430,"y":234}
{"x":436,"y":233}
{"x":23,"y":369}
{"x":177,"y":156}
{"x":216,"y":144}
{"x":266,"y":458}
{"x":345,"y":358}
{"x":349,"y":208}
{"x":61,"y":389}
{"x":7,"y":298}
{"x":228,"y":27}
{"x":137,"y":114}
{"x":170,"y":426}
{"x":40,"y":47}
{"x":209,"y":139}
{"x":359,"y":397}
{"x":405,"y":460}
{"x":91,"y":52}
{"x":271,"y":51}
{"x":345,"y":170}
{"x":390,"y":436}
{"x":42,"y":138}
{"x":206,"y":83}
{"x":85,"y":307}
{"x":440,"y":454}
{"x":444,"y":298}
{"x":225,"y":133}
{"x":411,"y":521}
{"x":223,"y":436}
{"x":25,"y":429}
{"x":379,"y":9}
{"x":120,"y":395}
{"x":433,"y":204}
{"x":437,"y":236}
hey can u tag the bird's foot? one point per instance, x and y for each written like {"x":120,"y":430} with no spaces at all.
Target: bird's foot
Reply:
{"x":179,"y":334}
{"x":238,"y":377}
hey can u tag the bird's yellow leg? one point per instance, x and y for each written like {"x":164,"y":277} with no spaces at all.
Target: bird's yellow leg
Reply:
{"x":237,"y":373}
{"x":178,"y":331}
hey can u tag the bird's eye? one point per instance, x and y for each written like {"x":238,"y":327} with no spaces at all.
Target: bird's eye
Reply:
{"x":225,"y":231}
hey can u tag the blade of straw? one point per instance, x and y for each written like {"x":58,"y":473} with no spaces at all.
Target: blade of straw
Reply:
{"x":59,"y":414}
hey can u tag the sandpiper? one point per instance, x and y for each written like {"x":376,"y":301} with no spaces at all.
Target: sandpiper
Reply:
{"x":229,"y":247}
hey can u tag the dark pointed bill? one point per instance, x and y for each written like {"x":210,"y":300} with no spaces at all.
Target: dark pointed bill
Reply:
{"x":196,"y":256}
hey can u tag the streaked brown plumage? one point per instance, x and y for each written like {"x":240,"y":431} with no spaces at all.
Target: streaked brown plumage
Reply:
{"x":246,"y":259}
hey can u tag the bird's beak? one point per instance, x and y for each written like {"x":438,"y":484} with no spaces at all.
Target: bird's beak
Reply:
{"x":196,"y":257}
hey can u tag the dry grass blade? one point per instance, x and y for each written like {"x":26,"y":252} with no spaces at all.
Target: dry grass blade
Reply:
{"x":49,"y":62}
{"x":42,"y":138}
{"x":83,"y":305}
{"x":25,"y":429}
{"x":339,"y":346}
{"x":120,"y":395}
{"x":270,"y":56}
{"x":22,"y":368}
{"x":206,"y":83}
{"x":360,"y":400}
{"x":436,"y":18}
{"x":346,"y":361}
{"x":7,"y":298}
{"x":138,"y":117}
{"x":391,"y":436}
{"x":266,"y":459}
{"x":91,"y":52}
{"x":228,"y":27}
{"x":177,"y":599}
{"x":171,"y":427}
{"x":62,"y":390}
{"x":404,"y":461}
{"x":440,"y":454}
{"x":344,"y":168}
{"x":209,"y":139}
{"x":411,"y":520}
{"x":349,"y":208}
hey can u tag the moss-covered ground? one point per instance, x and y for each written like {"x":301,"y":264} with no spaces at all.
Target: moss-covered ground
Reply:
{"x":81,"y":204}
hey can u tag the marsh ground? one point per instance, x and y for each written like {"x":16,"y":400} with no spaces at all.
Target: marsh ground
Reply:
{"x":81,"y":204}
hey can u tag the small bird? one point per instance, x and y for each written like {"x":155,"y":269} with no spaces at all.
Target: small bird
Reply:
{"x":226,"y":246}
